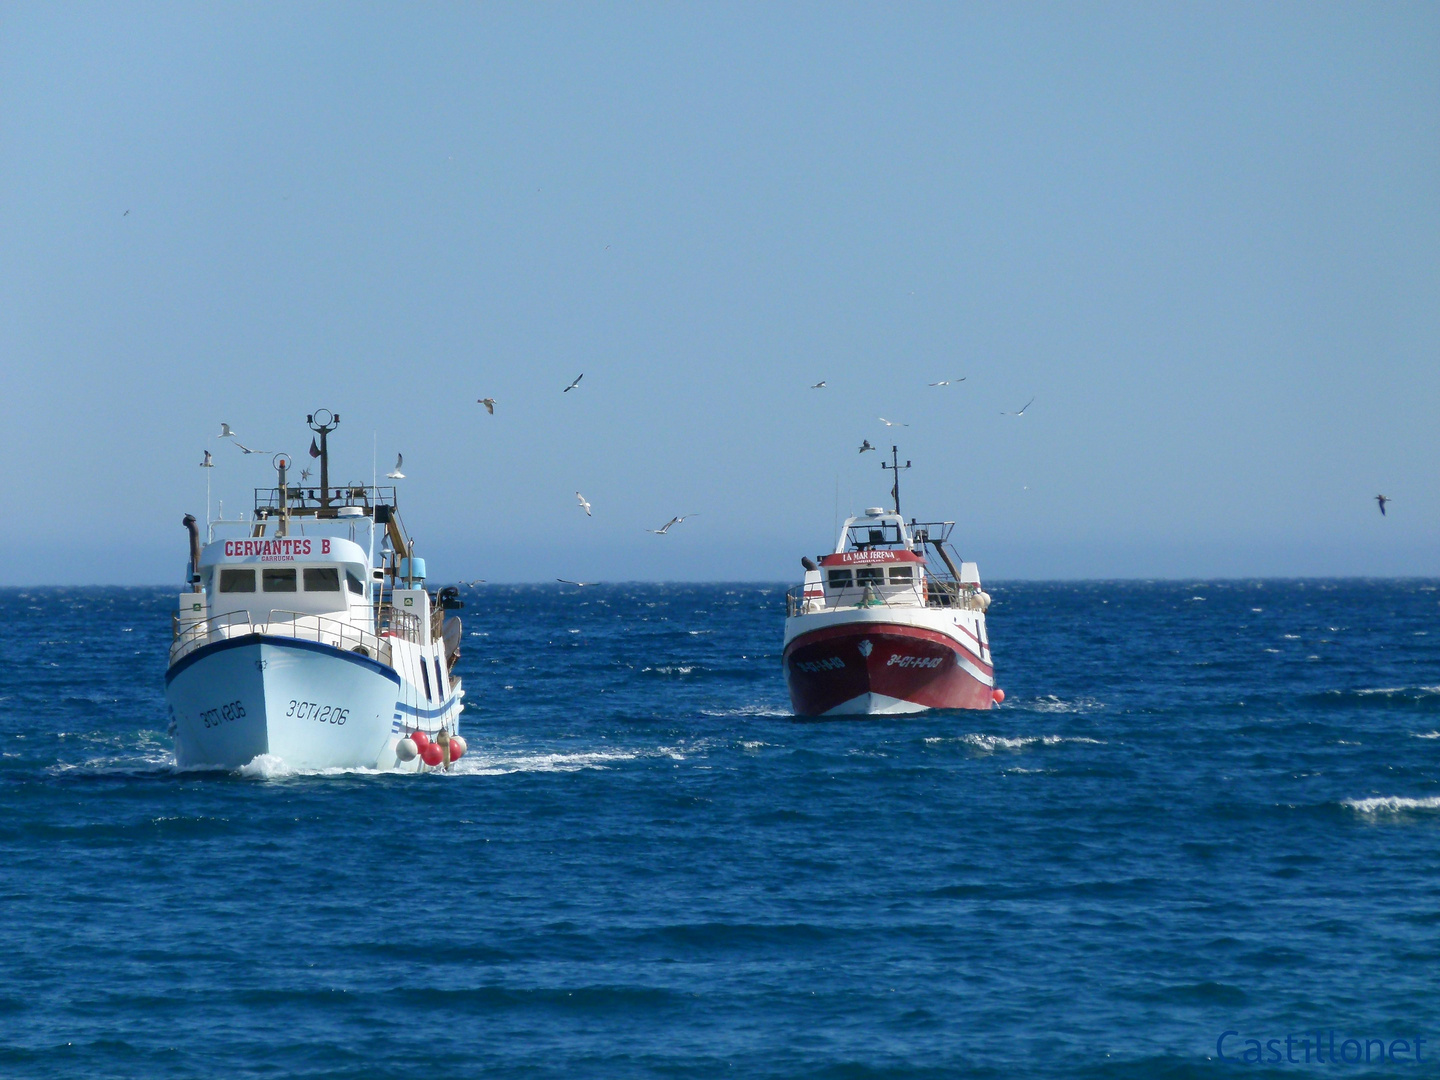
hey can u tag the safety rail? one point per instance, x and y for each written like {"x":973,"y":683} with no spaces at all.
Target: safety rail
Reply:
{"x":939,"y":592}
{"x":297,"y":625}
{"x":400,"y":624}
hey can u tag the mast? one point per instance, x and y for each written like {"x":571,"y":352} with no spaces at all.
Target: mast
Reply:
{"x":896,"y":468}
{"x":327,"y":423}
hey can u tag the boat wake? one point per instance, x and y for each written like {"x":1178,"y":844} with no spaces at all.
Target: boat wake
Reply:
{"x":989,"y":744}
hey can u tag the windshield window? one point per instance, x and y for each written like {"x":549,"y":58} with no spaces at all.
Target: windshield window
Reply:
{"x":839,"y":579}
{"x":237,"y":580}
{"x":902,"y":575}
{"x":279,"y":580}
{"x":322,"y":579}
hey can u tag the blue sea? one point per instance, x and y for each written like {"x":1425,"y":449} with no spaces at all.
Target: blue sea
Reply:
{"x":1204,"y":808}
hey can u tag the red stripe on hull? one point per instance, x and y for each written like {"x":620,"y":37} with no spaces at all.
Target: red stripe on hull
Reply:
{"x":826,"y":668}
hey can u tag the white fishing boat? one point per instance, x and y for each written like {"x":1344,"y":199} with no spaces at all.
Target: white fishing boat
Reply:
{"x":308,"y":635}
{"x":877,"y":628}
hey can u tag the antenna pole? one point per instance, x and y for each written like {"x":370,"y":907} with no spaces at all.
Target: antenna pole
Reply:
{"x":329,"y":422}
{"x":896,"y":468}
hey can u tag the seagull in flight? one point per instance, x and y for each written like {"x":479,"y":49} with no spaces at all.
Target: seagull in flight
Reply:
{"x":892,"y":423}
{"x":577,"y":584}
{"x":574,"y":384}
{"x":227,"y":432}
{"x":489,"y":403}
{"x":396,"y":474}
{"x":125,"y":214}
{"x":1022,"y":411}
{"x":1382,"y":500}
{"x":866,"y":446}
{"x":818,"y":386}
{"x":472,"y":584}
{"x":947,"y":382}
{"x":207,"y":463}
{"x":676,"y":520}
{"x":583,"y":504}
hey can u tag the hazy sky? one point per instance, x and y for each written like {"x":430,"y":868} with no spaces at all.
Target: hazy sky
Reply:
{"x":1203,"y":237}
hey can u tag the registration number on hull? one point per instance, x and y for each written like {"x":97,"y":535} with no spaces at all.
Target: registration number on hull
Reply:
{"x":314,"y":710}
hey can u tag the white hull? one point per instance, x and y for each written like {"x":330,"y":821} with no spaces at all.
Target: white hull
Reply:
{"x":873,"y":704}
{"x":304,"y":702}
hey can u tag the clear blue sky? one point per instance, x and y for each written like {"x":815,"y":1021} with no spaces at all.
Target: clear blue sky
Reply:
{"x":1202,"y":236}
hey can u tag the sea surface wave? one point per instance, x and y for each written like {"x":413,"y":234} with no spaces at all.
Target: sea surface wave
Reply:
{"x":1204,"y":806}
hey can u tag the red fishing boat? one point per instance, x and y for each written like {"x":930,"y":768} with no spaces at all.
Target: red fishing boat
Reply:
{"x":877,"y":627}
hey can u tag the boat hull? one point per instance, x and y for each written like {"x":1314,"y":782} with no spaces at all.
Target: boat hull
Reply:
{"x":872,"y":667}
{"x":309,"y":704}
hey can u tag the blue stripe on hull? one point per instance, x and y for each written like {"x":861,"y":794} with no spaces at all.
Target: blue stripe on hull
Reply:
{"x":278,"y":642}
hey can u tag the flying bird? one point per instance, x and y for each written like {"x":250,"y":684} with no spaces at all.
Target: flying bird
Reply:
{"x":396,"y":474}
{"x":577,"y":584}
{"x":226,"y":432}
{"x":947,"y":382}
{"x":489,"y":403}
{"x":676,"y":520}
{"x":583,"y":504}
{"x":865,"y":446}
{"x":472,"y":584}
{"x":207,"y":463}
{"x":125,"y":214}
{"x":1382,"y":500}
{"x":892,"y":423}
{"x":818,"y":386}
{"x":574,"y":384}
{"x":1022,"y":411}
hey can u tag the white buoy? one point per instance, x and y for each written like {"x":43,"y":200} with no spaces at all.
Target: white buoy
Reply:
{"x":405,"y":749}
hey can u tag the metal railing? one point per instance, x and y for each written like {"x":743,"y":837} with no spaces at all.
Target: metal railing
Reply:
{"x":939,"y":592}
{"x":297,"y":625}
{"x":400,"y":624}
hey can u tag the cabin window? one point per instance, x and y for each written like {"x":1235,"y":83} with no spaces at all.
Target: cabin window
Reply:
{"x":870,"y":575}
{"x":237,"y":580}
{"x":902,"y":575}
{"x":322,"y":579}
{"x":839,"y":579}
{"x":353,"y":583}
{"x":425,"y":677}
{"x":278,"y":580}
{"x":439,"y":679}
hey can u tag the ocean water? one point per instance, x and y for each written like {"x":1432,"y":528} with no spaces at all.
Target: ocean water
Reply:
{"x":1204,"y":807}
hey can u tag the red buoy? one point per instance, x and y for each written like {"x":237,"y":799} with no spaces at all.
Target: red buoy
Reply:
{"x":456,"y":749}
{"x":998,"y":695}
{"x":421,"y":740}
{"x":432,"y":755}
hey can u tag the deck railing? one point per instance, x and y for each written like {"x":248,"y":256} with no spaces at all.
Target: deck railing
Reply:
{"x":940,"y":592}
{"x":298,"y":625}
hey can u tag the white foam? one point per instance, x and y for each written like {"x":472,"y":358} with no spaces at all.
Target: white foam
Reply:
{"x":1051,"y":703}
{"x":492,"y":764}
{"x":1426,"y":734}
{"x":988,"y":744}
{"x":1393,"y":805}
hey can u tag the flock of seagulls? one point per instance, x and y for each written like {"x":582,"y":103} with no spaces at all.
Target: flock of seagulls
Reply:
{"x":227,"y":432}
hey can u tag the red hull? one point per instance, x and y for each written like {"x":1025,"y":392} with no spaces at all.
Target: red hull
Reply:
{"x":863,"y":668}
